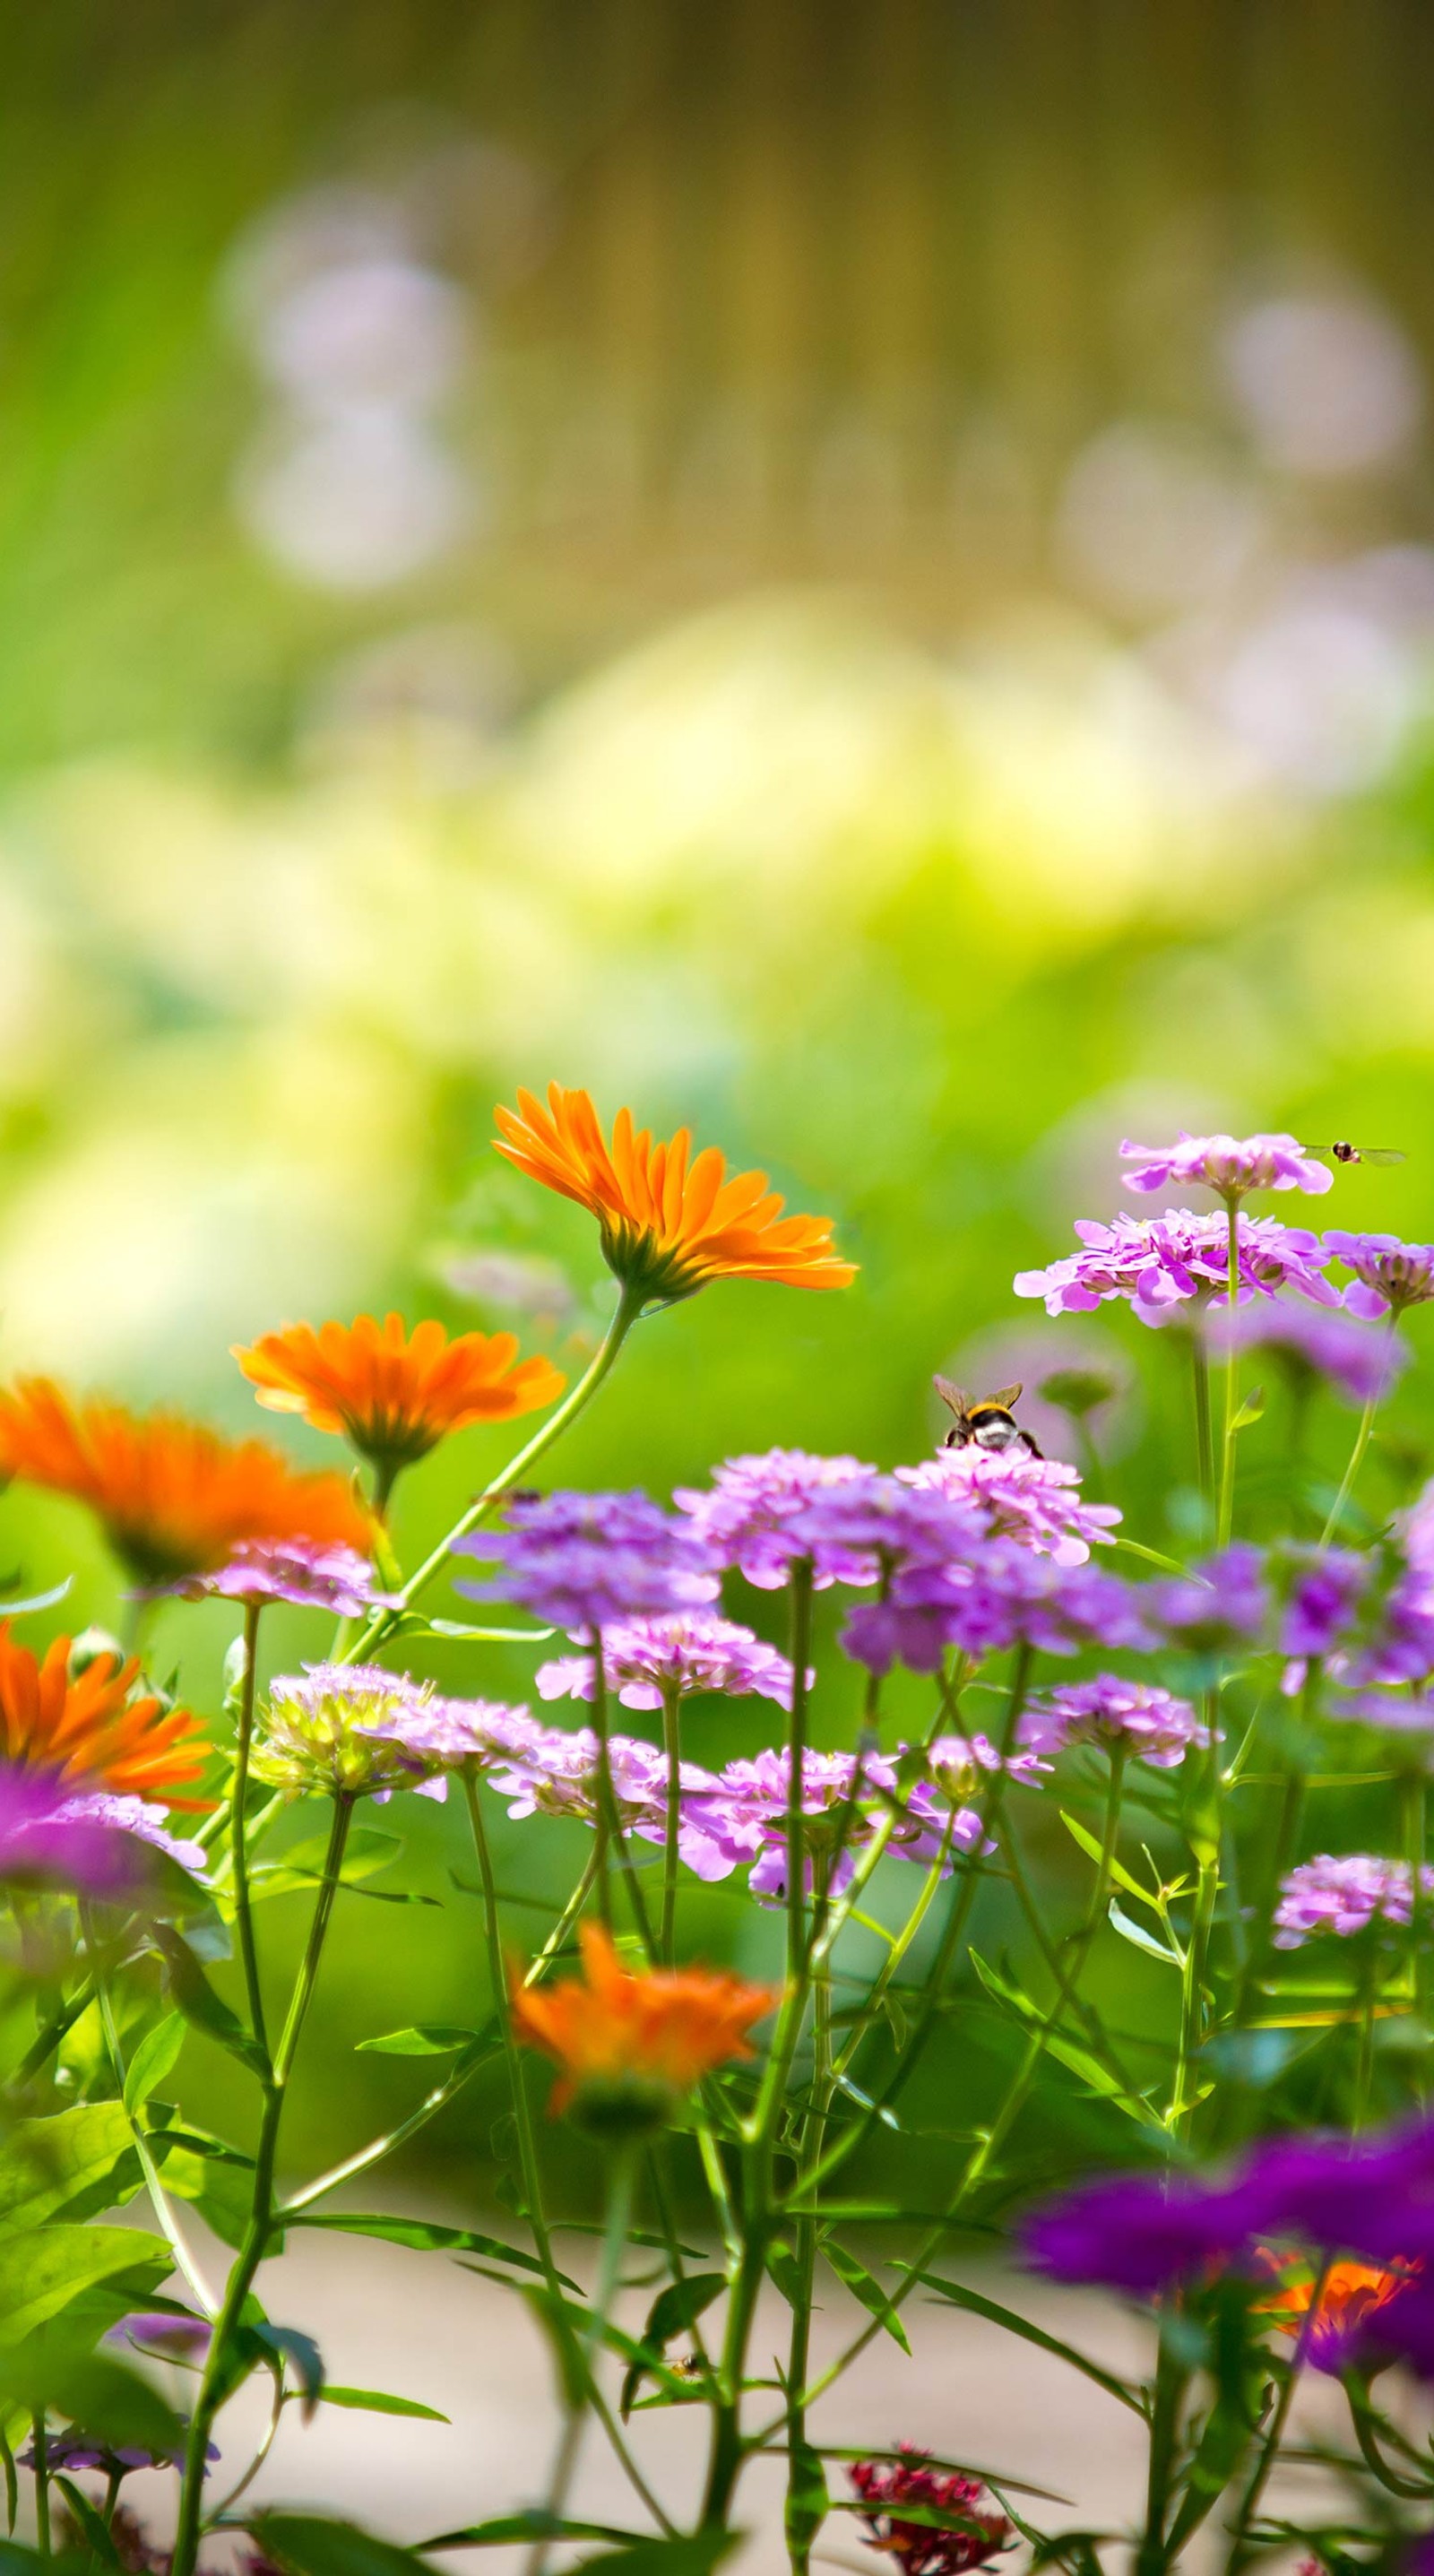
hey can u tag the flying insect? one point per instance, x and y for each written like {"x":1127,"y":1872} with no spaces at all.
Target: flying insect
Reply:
{"x":1347,"y":1153}
{"x":985,"y":1421}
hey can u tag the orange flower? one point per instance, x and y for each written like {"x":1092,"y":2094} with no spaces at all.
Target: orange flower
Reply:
{"x":631,"y":2044}
{"x":1349,"y":2295}
{"x":392,"y":1393}
{"x":173,"y":1497}
{"x":87,"y":1732}
{"x":667,"y":1226}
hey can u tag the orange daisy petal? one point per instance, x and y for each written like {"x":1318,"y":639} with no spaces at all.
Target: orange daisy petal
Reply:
{"x":392,"y":1393}
{"x":173,"y":1497}
{"x":94,"y":1731}
{"x":668,"y":1223}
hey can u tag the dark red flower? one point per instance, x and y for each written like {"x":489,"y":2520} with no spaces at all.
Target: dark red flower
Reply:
{"x":969,"y":2540}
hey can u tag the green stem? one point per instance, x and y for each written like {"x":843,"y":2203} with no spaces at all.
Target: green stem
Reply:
{"x":502,"y":2006}
{"x":1240,"y":2552}
{"x":217,"y":2376}
{"x":611,"y":1837}
{"x":238,"y":1843}
{"x":614,"y":2246}
{"x":42,"y":2483}
{"x":799,"y":2540}
{"x":1226,"y":1518}
{"x":801,"y":1643}
{"x":1171,"y":2380}
{"x":1415,"y":1799}
{"x":629,"y":1307}
{"x":159,"y":2200}
{"x":1356,"y":1455}
{"x":1204,"y":1445}
{"x":672,"y":1744}
{"x":1364,"y":2061}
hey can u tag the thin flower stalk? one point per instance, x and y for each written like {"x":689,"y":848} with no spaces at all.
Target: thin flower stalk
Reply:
{"x":1361,"y":1443}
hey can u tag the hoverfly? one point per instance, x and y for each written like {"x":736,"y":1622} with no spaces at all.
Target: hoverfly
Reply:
{"x":1346,"y":1153}
{"x":985,"y":1421}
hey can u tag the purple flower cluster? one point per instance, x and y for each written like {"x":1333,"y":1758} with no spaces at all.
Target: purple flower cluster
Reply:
{"x":753,"y":1517}
{"x":1119,"y":1716}
{"x":1344,"y":1894}
{"x":303,"y":1571}
{"x":1160,"y":1264}
{"x":688,"y":1653}
{"x":1371,"y":2198}
{"x":1357,"y":1363}
{"x":1324,"y":1589}
{"x":1037,"y":1500}
{"x":1230,"y":1164}
{"x":1004,"y":1595}
{"x":554,"y":1773}
{"x":581,"y":1561}
{"x":1387,"y":1272}
{"x":89,"y":1842}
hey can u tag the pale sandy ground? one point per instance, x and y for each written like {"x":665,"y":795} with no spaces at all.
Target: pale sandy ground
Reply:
{"x":416,"y":2324}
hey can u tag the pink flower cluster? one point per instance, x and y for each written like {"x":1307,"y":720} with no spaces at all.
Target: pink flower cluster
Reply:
{"x":1037,"y":1500}
{"x":1344,"y":1895}
{"x":1159,"y":1264}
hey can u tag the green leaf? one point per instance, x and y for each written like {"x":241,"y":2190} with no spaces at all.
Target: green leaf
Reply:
{"x":696,"y":2556}
{"x":153,"y":2059}
{"x":91,"y":2522}
{"x":1252,"y":1410}
{"x":99,"y":2394}
{"x":783,"y":2268}
{"x":197,"y":2000}
{"x":366,"y":1851}
{"x":863,"y":2286}
{"x":1141,"y":1939}
{"x":1067,"y":2052}
{"x":954,"y":2294}
{"x":377,"y":2401}
{"x":808,"y":2500}
{"x":425,"y":2237}
{"x":41,"y":2274}
{"x":288,"y":2344}
{"x":488,"y":1636}
{"x":532,"y":2525}
{"x":1091,"y":1847}
{"x":674,"y":2311}
{"x":54,"y":2164}
{"x":427,"y":2039}
{"x":312,"y":2545}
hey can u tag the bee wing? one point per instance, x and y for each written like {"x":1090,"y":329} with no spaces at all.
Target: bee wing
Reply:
{"x":1381,"y":1154}
{"x":1006,"y":1395}
{"x":954,"y":1396}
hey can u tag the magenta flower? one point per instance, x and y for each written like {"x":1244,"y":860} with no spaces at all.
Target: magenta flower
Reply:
{"x":1344,"y":1895}
{"x":688,"y":1653}
{"x":428,"y":1737}
{"x":1325,"y":1588}
{"x":1388,"y":1274}
{"x":558,"y":1774}
{"x":938,"y":1820}
{"x":1369,"y":2197}
{"x":50,"y":1839}
{"x":169,"y":2337}
{"x":582,"y":1561}
{"x":1003,"y":1595}
{"x":1136,"y":2233}
{"x":341,"y":1729}
{"x":745,"y":1517}
{"x":1036,"y":1500}
{"x":1160,"y":1264}
{"x":1119,"y":1716}
{"x":745,"y":1814}
{"x":106,"y":1812}
{"x":299,"y":1570}
{"x":1357,"y":1363}
{"x":1229,"y":1164}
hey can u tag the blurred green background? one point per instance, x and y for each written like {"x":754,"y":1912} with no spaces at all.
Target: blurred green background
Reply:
{"x":857,"y":575}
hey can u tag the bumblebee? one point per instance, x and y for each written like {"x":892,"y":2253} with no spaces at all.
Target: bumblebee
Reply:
{"x":985,"y":1421}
